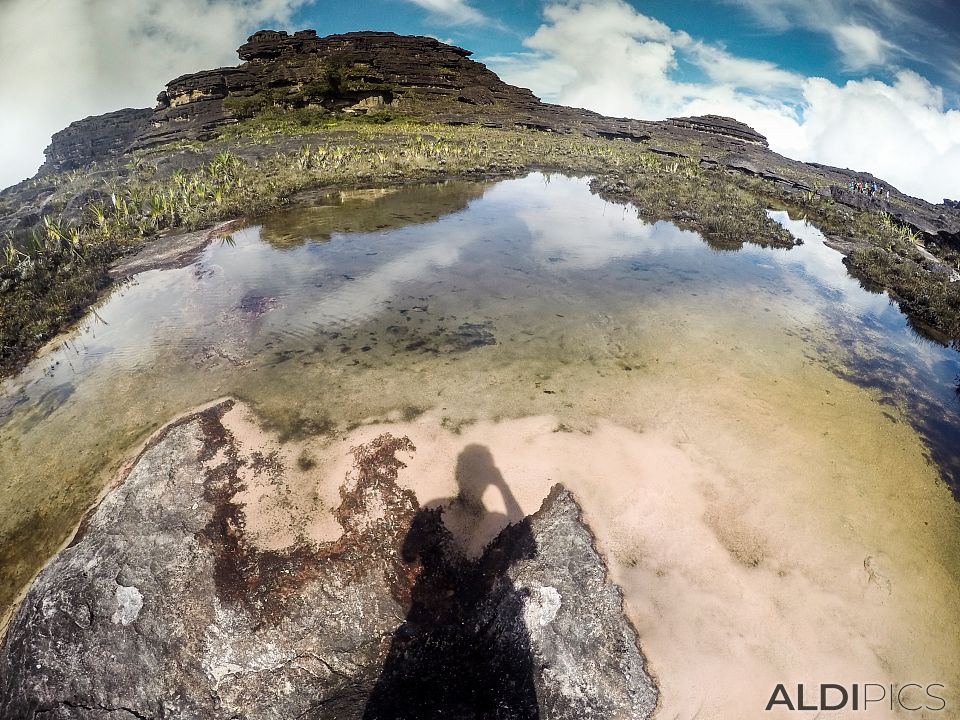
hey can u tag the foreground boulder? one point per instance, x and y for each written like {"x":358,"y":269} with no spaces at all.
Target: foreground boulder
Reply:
{"x":163,"y":607}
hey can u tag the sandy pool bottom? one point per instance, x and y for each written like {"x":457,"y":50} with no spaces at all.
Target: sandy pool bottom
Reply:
{"x":768,"y":522}
{"x":786,"y":532}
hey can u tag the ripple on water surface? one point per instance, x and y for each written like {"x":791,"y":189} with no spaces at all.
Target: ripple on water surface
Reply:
{"x":740,"y":426}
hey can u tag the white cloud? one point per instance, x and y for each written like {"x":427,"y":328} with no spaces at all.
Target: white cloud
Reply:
{"x":856,"y":27}
{"x":454,"y":12}
{"x":724,"y":68}
{"x":860,"y":46}
{"x":68,"y":59}
{"x":584,"y":51}
{"x":604,"y":55}
{"x":62,"y":60}
{"x":585,"y":233}
{"x":899,"y":132}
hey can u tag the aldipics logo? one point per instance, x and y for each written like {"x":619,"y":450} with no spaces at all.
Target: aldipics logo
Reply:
{"x":911,"y":697}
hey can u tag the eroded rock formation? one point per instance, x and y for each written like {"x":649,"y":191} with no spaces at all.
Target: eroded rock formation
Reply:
{"x":94,"y":138}
{"x":164,"y":606}
{"x":719,"y":125}
{"x":355,"y":71}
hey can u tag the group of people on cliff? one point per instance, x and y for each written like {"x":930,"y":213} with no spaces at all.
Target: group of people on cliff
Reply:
{"x":868,"y":187}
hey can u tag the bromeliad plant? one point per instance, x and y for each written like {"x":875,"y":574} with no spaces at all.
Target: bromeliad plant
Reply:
{"x":133,"y":211}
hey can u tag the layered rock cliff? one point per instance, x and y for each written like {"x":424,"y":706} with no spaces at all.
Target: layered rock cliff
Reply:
{"x":429,"y":80}
{"x":354,"y":72}
{"x":95,"y":138}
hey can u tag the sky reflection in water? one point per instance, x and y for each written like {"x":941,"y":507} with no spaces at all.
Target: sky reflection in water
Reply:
{"x":525,"y":241}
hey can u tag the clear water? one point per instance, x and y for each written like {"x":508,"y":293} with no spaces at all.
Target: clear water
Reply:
{"x":529,"y":296}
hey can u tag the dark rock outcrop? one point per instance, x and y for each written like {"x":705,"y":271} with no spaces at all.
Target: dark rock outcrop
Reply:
{"x":929,"y":220}
{"x":94,"y":138}
{"x":719,"y":125}
{"x":355,"y":71}
{"x":360,"y":72}
{"x":163,"y":607}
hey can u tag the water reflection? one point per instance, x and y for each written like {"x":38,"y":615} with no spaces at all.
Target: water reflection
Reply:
{"x":322,"y":214}
{"x":874,"y":345}
{"x":522,"y":297}
{"x":562,"y":233}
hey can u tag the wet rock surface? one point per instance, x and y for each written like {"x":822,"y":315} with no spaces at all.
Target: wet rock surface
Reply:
{"x":164,"y":606}
{"x":176,"y":251}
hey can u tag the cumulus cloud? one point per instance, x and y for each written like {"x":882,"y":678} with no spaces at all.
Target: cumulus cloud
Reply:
{"x":898,"y":131}
{"x":600,"y":54}
{"x":61,"y":60}
{"x":454,"y":12}
{"x":606,"y":56}
{"x":726,"y":69}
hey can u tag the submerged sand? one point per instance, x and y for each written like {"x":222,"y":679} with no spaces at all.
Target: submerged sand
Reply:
{"x":822,"y":556}
{"x":768,"y":521}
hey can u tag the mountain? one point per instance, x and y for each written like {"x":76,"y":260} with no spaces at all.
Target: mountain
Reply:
{"x":297,"y":93}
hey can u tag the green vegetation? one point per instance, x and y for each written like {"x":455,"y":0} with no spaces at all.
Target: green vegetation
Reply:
{"x":887,"y":257}
{"x":334,"y":82}
{"x":929,"y":298}
{"x":49,"y":275}
{"x":726,"y":210}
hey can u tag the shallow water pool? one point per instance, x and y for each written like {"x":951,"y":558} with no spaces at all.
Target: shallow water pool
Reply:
{"x":742,"y":396}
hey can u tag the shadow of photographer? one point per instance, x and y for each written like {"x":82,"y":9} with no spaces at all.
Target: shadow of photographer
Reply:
{"x":463,"y":650}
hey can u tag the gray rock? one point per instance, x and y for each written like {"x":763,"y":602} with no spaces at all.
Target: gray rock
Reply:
{"x":358,"y":71}
{"x":94,"y":138}
{"x":419,"y":76}
{"x":719,"y":125}
{"x":586,"y":654}
{"x":161,"y":607}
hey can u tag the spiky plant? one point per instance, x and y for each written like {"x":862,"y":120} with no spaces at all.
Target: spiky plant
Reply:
{"x":54,"y":229}
{"x":98,"y":213}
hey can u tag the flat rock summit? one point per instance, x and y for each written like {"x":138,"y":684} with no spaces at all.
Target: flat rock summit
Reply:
{"x":421,"y":77}
{"x":357,"y":72}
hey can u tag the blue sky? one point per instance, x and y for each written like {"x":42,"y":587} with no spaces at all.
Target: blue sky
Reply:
{"x":867,"y":84}
{"x":925,"y":33}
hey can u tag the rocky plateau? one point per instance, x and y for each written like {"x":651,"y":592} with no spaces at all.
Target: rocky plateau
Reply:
{"x":423,"y":78}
